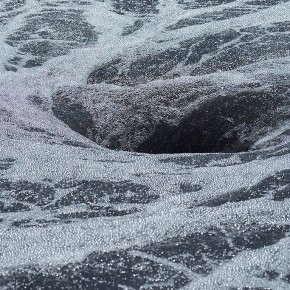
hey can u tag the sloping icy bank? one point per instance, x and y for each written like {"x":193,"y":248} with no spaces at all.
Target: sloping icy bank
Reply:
{"x":152,"y":220}
{"x":220,"y":112}
{"x":77,"y":215}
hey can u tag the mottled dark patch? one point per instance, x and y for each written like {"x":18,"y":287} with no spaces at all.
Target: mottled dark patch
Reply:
{"x":282,"y":193}
{"x":97,"y":211}
{"x":35,"y":193}
{"x":20,"y":223}
{"x":213,"y":16}
{"x":203,"y":252}
{"x":38,"y":223}
{"x":135,"y":198}
{"x":13,"y":4}
{"x":154,"y":66}
{"x":207,"y":160}
{"x":280,"y":27}
{"x":220,"y":160}
{"x":265,"y":2}
{"x":6,"y":163}
{"x":63,"y":184}
{"x":50,"y":33}
{"x":199,"y":252}
{"x":226,"y":13}
{"x":250,"y":288}
{"x":91,"y":192}
{"x":45,"y":222}
{"x":262,"y":47}
{"x":180,"y":160}
{"x":10,"y":68}
{"x":185,"y":187}
{"x":189,"y":4}
{"x":75,"y":116}
{"x":36,"y":100}
{"x":286,"y":278}
{"x":226,"y":50}
{"x":10,"y":9}
{"x":76,"y":144}
{"x":209,"y":44}
{"x":13,"y":207}
{"x":143,"y":70}
{"x":270,"y":275}
{"x":137,"y":6}
{"x":131,"y":29}
{"x":277,"y":185}
{"x":4,"y":185}
{"x":108,"y":71}
{"x":38,"y":130}
{"x":112,"y":270}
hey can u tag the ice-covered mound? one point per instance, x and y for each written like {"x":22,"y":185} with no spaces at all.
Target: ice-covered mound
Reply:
{"x":222,"y":112}
{"x":84,"y":217}
{"x":164,"y":76}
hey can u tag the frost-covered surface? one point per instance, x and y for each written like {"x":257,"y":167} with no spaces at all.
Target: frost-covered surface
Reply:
{"x":75,"y":215}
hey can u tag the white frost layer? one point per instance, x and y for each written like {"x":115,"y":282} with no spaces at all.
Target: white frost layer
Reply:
{"x":244,"y":270}
{"x":73,"y":69}
{"x":36,"y":159}
{"x":71,"y":242}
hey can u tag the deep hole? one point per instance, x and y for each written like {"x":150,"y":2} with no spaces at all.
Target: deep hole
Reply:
{"x":192,"y":139}
{"x":220,"y":125}
{"x":230,"y":123}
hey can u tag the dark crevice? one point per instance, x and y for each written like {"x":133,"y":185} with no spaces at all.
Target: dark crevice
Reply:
{"x":224,"y":124}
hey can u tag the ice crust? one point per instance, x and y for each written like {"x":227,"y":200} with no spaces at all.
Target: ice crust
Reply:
{"x":198,"y":221}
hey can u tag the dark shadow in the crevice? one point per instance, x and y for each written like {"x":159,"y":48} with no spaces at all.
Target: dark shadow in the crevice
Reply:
{"x":223,"y":124}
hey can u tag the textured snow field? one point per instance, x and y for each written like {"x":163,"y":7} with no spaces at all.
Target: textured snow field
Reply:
{"x":75,"y":215}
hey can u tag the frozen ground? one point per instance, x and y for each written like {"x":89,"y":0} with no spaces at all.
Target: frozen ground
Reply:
{"x":205,"y":84}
